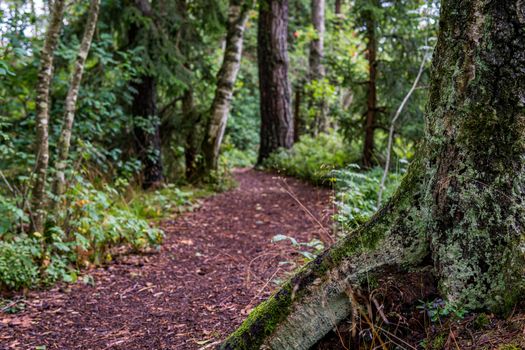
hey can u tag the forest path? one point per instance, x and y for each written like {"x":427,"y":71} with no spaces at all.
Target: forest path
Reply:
{"x":216,"y":264}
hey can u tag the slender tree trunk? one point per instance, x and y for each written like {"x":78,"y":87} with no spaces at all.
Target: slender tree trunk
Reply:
{"x":460,"y":206}
{"x":317,"y":69}
{"x":370,"y":123}
{"x":272,"y":57}
{"x":238,"y":15}
{"x":144,"y":110}
{"x":192,"y":148}
{"x":42,"y":114}
{"x":337,"y":7}
{"x":34,"y":17}
{"x":298,"y":122}
{"x":64,"y":141}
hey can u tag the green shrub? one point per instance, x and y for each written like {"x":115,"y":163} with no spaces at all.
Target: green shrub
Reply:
{"x":18,"y":268}
{"x":311,"y":158}
{"x":357,"y":193}
{"x":236,"y":158}
{"x":326,"y":160}
{"x":91,"y":223}
{"x":96,"y":220}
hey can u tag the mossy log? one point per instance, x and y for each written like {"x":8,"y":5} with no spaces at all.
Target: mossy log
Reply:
{"x":461,"y":204}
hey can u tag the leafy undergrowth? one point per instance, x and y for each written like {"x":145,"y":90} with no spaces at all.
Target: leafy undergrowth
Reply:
{"x":93,"y":224}
{"x":325,"y":160}
{"x":312,"y":159}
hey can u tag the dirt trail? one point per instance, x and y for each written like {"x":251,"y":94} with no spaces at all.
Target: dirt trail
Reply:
{"x":215,"y":265}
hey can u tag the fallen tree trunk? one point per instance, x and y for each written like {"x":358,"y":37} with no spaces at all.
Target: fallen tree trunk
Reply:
{"x":460,"y":206}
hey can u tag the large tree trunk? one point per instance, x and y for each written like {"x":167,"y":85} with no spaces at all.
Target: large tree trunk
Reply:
{"x":64,"y":141}
{"x":370,"y":123}
{"x":238,"y":15}
{"x":317,"y":70}
{"x":144,"y":109}
{"x":272,"y":57}
{"x":42,"y":114}
{"x":461,"y":204}
{"x":146,"y":131}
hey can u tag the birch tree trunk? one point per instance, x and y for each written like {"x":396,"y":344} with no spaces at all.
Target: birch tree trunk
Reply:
{"x":42,"y":115}
{"x":64,"y":141}
{"x":317,"y":69}
{"x":461,"y":205}
{"x":237,"y":17}
{"x":272,"y":58}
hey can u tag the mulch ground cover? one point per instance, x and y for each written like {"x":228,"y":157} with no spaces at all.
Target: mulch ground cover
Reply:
{"x":215,"y":265}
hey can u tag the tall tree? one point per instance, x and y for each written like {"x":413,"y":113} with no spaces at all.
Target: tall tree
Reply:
{"x":317,"y":69}
{"x":146,"y":130}
{"x":64,"y":141}
{"x":237,"y":16}
{"x":460,"y":206}
{"x":272,"y":56}
{"x":371,"y":118}
{"x":42,"y":114}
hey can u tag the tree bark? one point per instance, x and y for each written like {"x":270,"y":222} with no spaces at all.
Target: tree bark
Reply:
{"x":298,"y":122}
{"x":272,"y":57}
{"x":146,"y":121}
{"x":192,"y":148}
{"x":337,"y":7}
{"x":460,"y":205}
{"x":42,"y":114}
{"x":317,"y":69}
{"x":64,"y":141}
{"x":238,"y":15}
{"x":147,"y":137}
{"x":368,"y":147}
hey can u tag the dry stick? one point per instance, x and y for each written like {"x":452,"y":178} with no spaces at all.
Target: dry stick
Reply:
{"x":392,"y":126}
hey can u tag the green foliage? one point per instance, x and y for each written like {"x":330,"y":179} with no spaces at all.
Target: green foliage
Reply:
{"x":311,"y":158}
{"x":18,"y":268}
{"x":233,"y":157}
{"x":313,"y":247}
{"x":93,"y":224}
{"x":160,"y":203}
{"x":327,"y":160}
{"x":438,"y":309}
{"x":356,"y":193}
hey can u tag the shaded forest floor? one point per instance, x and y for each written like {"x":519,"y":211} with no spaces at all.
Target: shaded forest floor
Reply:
{"x":215,"y":265}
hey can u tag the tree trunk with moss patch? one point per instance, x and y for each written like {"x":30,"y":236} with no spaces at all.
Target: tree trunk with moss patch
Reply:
{"x":461,"y":204}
